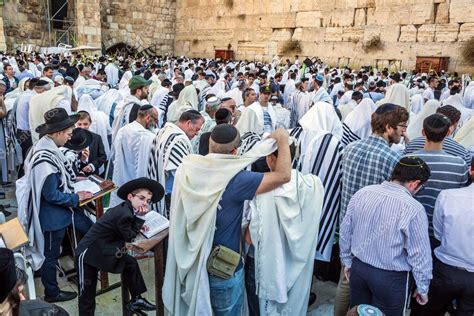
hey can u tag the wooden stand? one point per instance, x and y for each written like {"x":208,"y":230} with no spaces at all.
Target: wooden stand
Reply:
{"x":154,"y":244}
{"x":427,"y":64}
{"x":224,"y":54}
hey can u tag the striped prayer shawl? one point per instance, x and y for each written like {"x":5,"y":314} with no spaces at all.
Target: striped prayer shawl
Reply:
{"x":169,"y":148}
{"x":248,"y":140}
{"x":202,"y":97}
{"x":348,"y":136}
{"x":323,"y":159}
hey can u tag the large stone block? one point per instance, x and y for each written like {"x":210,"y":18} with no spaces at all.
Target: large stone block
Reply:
{"x":308,"y":19}
{"x":466,"y":32}
{"x":461,"y":11}
{"x":442,"y":13}
{"x":389,"y":33}
{"x":333,"y":34}
{"x":426,"y":33}
{"x":447,"y":32}
{"x":353,"y":34}
{"x":285,"y":20}
{"x":408,"y":33}
{"x":360,"y":17}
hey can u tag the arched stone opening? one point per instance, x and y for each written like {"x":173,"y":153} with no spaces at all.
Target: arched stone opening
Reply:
{"x":121,"y":49}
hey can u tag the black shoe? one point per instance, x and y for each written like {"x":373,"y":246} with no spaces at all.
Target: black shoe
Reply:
{"x":312,"y":298}
{"x":140,"y":303}
{"x":62,"y":297}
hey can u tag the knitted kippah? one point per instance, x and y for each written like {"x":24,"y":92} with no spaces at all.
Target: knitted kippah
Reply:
{"x":224,"y":133}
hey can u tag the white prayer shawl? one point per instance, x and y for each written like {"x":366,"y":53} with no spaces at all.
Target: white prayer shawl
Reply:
{"x":170,"y":146}
{"x":192,"y":224}
{"x":322,"y":117}
{"x":41,"y":103}
{"x":415,"y":126}
{"x":235,"y":94}
{"x":158,"y":96}
{"x":322,"y":157}
{"x":122,"y":113}
{"x":322,"y":96}
{"x":397,"y":94}
{"x":105,"y":103}
{"x":290,"y":87}
{"x":79,"y":81}
{"x":359,"y":119}
{"x":187,"y":100}
{"x":218,"y":89}
{"x":123,"y":84}
{"x":347,"y":108}
{"x":130,"y":155}
{"x":416,"y":103}
{"x":112,"y":72}
{"x":284,"y":229}
{"x":465,"y":135}
{"x":282,"y":115}
{"x":457,"y":101}
{"x":94,"y":88}
{"x":304,"y":104}
{"x":469,"y":96}
{"x":44,"y":159}
{"x":100,"y":121}
{"x":251,"y":119}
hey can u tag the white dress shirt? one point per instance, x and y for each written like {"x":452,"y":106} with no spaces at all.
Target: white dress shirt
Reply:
{"x":453,"y":224}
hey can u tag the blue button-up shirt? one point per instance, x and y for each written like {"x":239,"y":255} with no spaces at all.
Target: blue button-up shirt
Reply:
{"x":365,"y":162}
{"x":387,"y":228}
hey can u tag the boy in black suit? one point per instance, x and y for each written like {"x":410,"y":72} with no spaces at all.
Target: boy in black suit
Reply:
{"x":95,"y":153}
{"x":103,"y":247}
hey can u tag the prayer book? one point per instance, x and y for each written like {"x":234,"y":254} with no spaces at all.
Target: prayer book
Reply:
{"x":96,"y":185}
{"x":155,"y":222}
{"x":86,"y":185}
{"x":12,"y":234}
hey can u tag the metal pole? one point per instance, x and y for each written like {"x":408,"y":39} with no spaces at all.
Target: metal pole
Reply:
{"x":48,"y":21}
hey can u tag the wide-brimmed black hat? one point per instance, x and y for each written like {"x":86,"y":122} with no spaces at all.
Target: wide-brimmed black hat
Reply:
{"x":56,"y":120}
{"x":142,"y":183}
{"x":81,"y":139}
{"x":7,"y":273}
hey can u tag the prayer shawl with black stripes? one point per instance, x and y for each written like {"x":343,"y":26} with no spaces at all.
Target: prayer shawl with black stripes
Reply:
{"x":43,"y":160}
{"x":322,"y":157}
{"x":169,"y":148}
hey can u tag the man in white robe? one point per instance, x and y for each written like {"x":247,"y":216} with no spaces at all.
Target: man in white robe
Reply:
{"x":131,"y":148}
{"x":321,"y":94}
{"x":347,"y":108}
{"x":259,"y":117}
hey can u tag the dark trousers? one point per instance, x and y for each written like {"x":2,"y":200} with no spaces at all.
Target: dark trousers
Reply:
{"x":386,"y":290}
{"x":449,"y":283}
{"x":131,"y":275}
{"x":250,"y":288}
{"x":24,"y":138}
{"x":52,"y":249}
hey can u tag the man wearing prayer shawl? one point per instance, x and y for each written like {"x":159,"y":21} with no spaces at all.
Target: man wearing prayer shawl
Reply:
{"x":126,"y":111}
{"x":112,"y":72}
{"x":131,"y":148}
{"x":212,"y":105}
{"x":321,"y":92}
{"x":357,"y":123}
{"x":281,"y":240}
{"x":206,"y":212}
{"x":170,"y":146}
{"x":397,"y":94}
{"x":187,"y":100}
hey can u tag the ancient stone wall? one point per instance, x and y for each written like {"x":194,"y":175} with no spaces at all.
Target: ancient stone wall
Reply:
{"x":336,"y":30}
{"x":142,"y":24}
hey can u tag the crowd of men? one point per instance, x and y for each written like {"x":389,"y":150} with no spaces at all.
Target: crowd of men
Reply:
{"x":262,"y":168}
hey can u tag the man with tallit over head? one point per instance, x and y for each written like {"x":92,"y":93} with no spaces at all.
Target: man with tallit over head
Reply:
{"x":205,"y":222}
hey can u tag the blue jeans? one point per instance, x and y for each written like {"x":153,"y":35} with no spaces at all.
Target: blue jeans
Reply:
{"x":52,"y":249}
{"x":227,"y":295}
{"x":386,"y":290}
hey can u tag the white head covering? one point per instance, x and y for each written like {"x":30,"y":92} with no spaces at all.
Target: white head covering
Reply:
{"x":359,"y":119}
{"x":465,"y":135}
{"x":416,"y":103}
{"x":397,"y":94}
{"x":123,"y":84}
{"x":187,"y":100}
{"x":469,"y":96}
{"x":416,"y":125}
{"x":322,"y":117}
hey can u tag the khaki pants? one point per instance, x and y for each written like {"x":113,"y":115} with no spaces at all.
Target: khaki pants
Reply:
{"x":343,"y":296}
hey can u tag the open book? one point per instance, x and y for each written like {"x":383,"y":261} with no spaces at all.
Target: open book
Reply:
{"x":155,"y":222}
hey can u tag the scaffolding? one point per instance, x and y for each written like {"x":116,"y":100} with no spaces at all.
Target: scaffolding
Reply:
{"x":59,"y":36}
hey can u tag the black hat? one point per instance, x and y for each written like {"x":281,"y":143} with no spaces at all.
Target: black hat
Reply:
{"x":56,"y":120}
{"x":224,"y":133}
{"x":81,"y":139}
{"x":7,"y":273}
{"x":142,"y":183}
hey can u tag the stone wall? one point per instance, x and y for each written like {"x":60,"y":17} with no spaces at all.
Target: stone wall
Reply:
{"x":335,"y":30}
{"x":142,"y":24}
{"x":3,"y":43}
{"x":87,"y":23}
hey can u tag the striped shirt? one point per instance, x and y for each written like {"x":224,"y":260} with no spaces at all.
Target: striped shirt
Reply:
{"x":386,"y":227}
{"x":365,"y":162}
{"x":450,"y":146}
{"x":447,"y":172}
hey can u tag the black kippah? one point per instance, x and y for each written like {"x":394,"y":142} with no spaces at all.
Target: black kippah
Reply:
{"x":146,"y":107}
{"x":224,"y":133}
{"x":437,"y":121}
{"x":384,"y":108}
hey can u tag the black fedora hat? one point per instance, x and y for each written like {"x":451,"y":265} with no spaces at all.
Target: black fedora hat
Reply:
{"x":142,"y":183}
{"x":56,"y":120}
{"x":80,"y":139}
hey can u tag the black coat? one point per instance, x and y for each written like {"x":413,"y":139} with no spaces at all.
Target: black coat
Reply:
{"x":97,"y":155}
{"x":105,"y":240}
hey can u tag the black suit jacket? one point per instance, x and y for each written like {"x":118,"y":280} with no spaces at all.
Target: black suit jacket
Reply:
{"x":105,"y":240}
{"x":97,"y":155}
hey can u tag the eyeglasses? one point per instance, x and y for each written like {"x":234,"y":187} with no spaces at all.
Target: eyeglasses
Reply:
{"x":142,"y":198}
